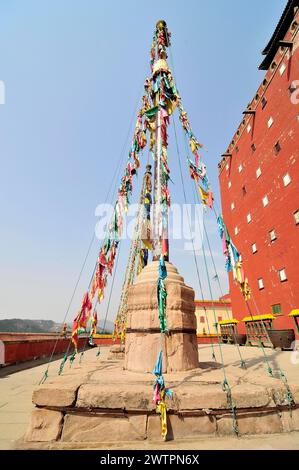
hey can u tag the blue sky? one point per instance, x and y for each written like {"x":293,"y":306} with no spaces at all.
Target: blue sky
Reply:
{"x":73,"y":73}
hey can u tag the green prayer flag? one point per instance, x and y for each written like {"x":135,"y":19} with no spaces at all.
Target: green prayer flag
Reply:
{"x":152,"y":112}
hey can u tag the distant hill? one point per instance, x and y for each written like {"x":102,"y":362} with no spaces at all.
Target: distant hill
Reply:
{"x":18,"y":325}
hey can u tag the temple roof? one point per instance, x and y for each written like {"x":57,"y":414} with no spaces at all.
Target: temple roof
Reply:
{"x":279,"y":33}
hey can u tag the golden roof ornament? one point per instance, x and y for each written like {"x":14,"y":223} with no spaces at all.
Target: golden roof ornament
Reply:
{"x":160,"y":25}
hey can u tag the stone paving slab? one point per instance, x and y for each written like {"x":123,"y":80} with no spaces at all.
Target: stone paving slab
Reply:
{"x":288,"y":441}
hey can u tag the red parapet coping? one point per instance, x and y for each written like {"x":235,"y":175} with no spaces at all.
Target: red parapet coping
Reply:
{"x":103,"y":341}
{"x":17,"y":349}
{"x":4,"y":336}
{"x":207,"y":339}
{"x":213,"y":303}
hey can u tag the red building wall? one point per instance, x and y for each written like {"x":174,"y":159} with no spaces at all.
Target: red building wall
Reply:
{"x":271,"y":256}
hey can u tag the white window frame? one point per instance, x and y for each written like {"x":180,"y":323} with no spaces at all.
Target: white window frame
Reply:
{"x":282,"y":68}
{"x":261,"y":283}
{"x":265,"y":200}
{"x":232,"y":206}
{"x":286,"y":179}
{"x":282,"y":275}
{"x":270,"y":122}
{"x":273,"y":231}
{"x":253,"y":248}
{"x":249,"y":218}
{"x":258,"y":172}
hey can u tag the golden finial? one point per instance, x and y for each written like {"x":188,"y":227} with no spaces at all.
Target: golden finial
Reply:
{"x":161,"y":24}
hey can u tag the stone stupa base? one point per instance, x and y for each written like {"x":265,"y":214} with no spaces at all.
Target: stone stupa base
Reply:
{"x":143,"y":337}
{"x":98,"y":402}
{"x":117,"y":351}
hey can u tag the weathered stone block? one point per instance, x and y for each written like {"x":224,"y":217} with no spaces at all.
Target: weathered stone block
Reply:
{"x":126,"y":397}
{"x":262,"y":423}
{"x":182,"y":352}
{"x":208,"y":396}
{"x":179,"y":427}
{"x":142,"y":351}
{"x":55,"y":394}
{"x":250,"y":396}
{"x":116,"y":352}
{"x":179,"y":297}
{"x":178,"y":318}
{"x":45,"y":425}
{"x":290,"y":422}
{"x":278,"y":394}
{"x":295,"y":392}
{"x":142,"y":347}
{"x":83,"y":428}
{"x":144,"y":318}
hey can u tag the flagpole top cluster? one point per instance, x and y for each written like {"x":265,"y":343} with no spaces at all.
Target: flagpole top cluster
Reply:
{"x":161,"y":24}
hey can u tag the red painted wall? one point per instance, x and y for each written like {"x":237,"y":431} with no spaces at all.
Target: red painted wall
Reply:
{"x":23,"y":347}
{"x":106,"y":341}
{"x":207,"y":339}
{"x":283,"y":201}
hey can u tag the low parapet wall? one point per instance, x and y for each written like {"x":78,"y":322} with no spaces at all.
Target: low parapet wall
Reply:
{"x":208,"y":339}
{"x":105,"y":340}
{"x":4,"y":336}
{"x":21,"y":347}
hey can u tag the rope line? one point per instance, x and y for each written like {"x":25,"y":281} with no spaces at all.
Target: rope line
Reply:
{"x":242,"y":361}
{"x":108,"y":305}
{"x":193,"y":248}
{"x":289,"y":396}
{"x":113,"y":181}
{"x":225,"y":385}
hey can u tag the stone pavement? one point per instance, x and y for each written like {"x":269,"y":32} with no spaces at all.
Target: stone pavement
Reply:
{"x":16,"y":387}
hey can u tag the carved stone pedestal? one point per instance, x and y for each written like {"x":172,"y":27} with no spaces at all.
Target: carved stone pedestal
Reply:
{"x":116,"y":352}
{"x":143,"y":337}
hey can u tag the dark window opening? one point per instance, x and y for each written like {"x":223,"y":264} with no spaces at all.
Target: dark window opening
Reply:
{"x":276,"y":308}
{"x":296,"y":217}
{"x":277,"y":147}
{"x":292,"y":88}
{"x":264,"y":102}
{"x":253,"y":147}
{"x":244,"y":190}
{"x":272,"y":235}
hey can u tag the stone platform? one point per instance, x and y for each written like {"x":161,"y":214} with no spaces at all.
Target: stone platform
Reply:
{"x":99,"y":402}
